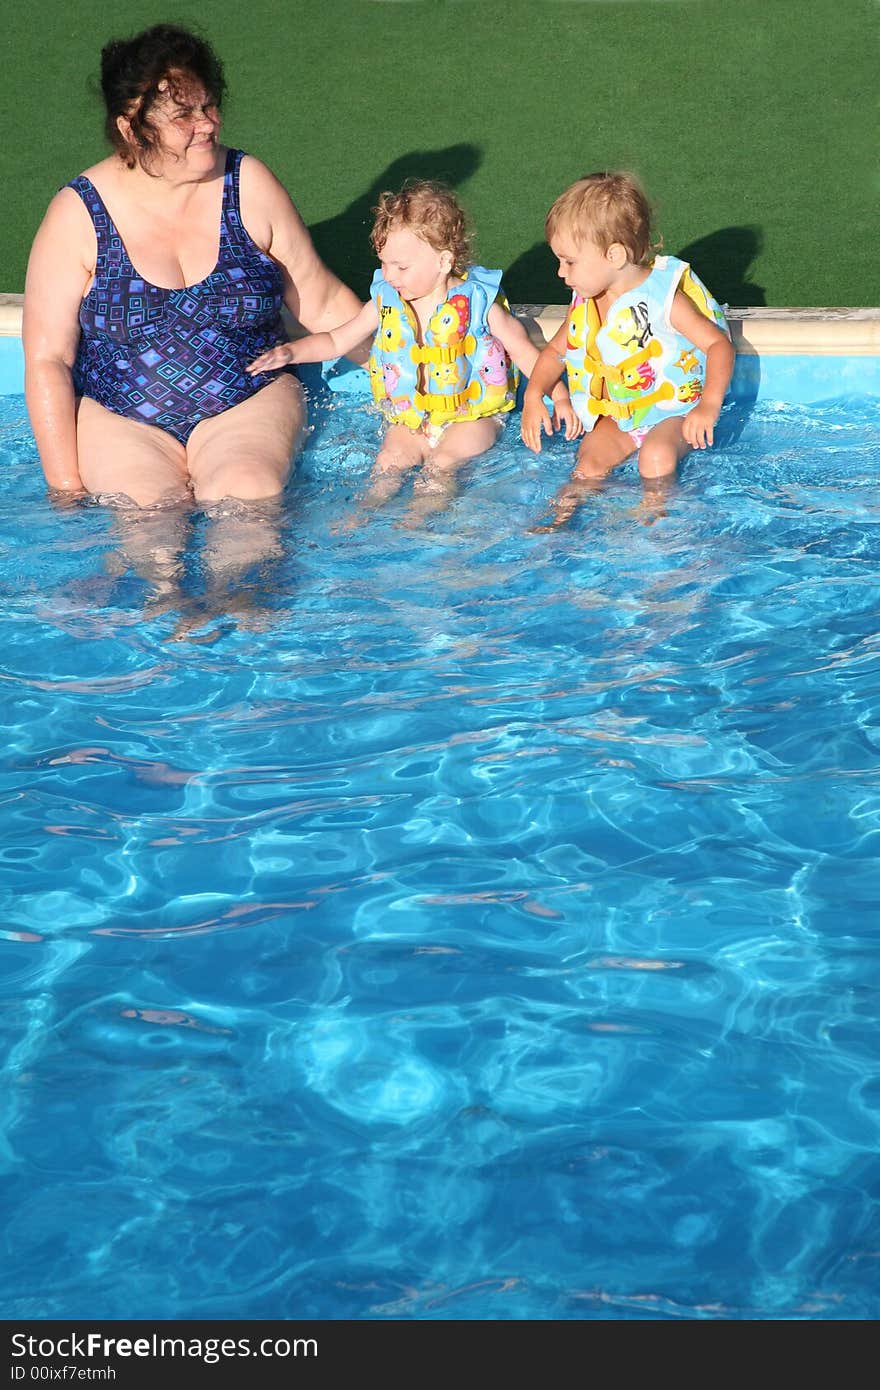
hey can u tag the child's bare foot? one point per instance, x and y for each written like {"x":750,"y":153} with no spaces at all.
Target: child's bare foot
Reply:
{"x":423,"y":508}
{"x":647,"y":515}
{"x":564,"y":508}
{"x":653,"y":505}
{"x":566,"y":502}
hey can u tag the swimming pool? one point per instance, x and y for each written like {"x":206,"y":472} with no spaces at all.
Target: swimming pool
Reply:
{"x":477,"y":924}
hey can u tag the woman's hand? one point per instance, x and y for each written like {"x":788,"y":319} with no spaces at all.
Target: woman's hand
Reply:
{"x":281,"y":356}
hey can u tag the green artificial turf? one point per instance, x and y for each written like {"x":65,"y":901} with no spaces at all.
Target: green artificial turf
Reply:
{"x":752,"y":122}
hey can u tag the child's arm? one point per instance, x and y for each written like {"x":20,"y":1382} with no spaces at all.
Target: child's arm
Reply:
{"x":698,"y":426}
{"x":544,"y":380}
{"x":318,"y":347}
{"x":516,"y":342}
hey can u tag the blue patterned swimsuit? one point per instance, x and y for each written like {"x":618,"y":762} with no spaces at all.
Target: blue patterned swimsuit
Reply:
{"x":174,"y":357}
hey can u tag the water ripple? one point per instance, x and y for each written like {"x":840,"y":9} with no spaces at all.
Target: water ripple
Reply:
{"x":462,"y":922}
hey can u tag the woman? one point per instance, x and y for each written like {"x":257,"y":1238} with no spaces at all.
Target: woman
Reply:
{"x":154,"y":279}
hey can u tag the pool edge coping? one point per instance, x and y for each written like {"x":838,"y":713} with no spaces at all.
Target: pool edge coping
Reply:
{"x":766,"y":331}
{"x":830,"y":332}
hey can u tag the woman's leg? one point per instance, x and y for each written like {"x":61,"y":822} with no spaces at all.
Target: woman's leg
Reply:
{"x":141,"y":472}
{"x":119,"y":458}
{"x":247,"y":452}
{"x":239,"y":462}
{"x":153,"y":541}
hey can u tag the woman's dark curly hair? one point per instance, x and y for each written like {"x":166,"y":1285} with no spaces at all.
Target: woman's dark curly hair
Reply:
{"x":162,"y":61}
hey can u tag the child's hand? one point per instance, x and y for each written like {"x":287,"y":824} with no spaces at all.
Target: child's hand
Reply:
{"x":564,"y":415}
{"x":698,"y":426}
{"x":276,"y":357}
{"x":535,"y":417}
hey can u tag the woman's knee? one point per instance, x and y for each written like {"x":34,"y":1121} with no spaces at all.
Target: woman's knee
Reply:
{"x":241,"y":478}
{"x":247,"y":452}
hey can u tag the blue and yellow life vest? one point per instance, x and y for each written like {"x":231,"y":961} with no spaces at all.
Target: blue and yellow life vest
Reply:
{"x":649,"y":371}
{"x":460,"y":372}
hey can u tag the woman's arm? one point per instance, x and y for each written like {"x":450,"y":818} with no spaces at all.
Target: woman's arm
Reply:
{"x":57,"y":275}
{"x":314,"y":295}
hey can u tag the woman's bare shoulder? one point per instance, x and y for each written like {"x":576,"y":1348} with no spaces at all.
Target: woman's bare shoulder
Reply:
{"x":268,"y":211}
{"x":256,"y":168}
{"x":64,"y":247}
{"x":67,"y":215}
{"x":259,"y":182}
{"x":102,"y":173}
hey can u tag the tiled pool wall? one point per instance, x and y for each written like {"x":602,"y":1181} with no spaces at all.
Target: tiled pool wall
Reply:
{"x":794,"y":355}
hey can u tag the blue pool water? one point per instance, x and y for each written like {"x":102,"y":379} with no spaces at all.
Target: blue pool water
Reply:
{"x":453,"y":921}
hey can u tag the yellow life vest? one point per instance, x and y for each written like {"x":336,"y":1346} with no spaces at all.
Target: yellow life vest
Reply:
{"x":635,"y":366}
{"x":461,"y":370}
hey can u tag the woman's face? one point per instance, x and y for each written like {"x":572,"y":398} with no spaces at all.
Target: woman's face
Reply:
{"x":186,"y":122}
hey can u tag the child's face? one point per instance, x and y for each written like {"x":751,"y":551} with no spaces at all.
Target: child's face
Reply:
{"x":583,"y":265}
{"x":412,"y":266}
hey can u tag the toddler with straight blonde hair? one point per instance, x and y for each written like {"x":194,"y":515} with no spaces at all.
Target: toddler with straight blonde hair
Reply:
{"x":645,"y":347}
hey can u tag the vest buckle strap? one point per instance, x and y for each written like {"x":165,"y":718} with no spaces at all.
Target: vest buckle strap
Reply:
{"x":615,"y":372}
{"x":430,"y":402}
{"x":622,"y":410}
{"x":618,"y":410}
{"x":442,"y":354}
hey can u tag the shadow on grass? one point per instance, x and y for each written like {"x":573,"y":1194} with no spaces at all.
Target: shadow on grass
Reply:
{"x":343,"y":242}
{"x":723,"y":260}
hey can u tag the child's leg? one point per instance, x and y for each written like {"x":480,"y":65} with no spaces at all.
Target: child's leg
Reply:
{"x":661,"y":450}
{"x":606,"y":446}
{"x":402,"y":448}
{"x":599,"y":452}
{"x":460,"y":442}
{"x":659,"y":455}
